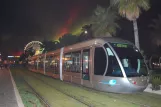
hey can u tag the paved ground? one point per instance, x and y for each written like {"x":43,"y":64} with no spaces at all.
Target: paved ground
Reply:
{"x":148,"y":89}
{"x":9,"y":96}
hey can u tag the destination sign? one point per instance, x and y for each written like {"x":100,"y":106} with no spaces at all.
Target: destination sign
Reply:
{"x":120,"y":45}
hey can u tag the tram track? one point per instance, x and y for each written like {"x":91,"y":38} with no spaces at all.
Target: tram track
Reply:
{"x":84,"y":98}
{"x":45,"y":101}
{"x":117,"y":97}
{"x":141,"y":105}
{"x":38,"y":95}
{"x":67,"y":94}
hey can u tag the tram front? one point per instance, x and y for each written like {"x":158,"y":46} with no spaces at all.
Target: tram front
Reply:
{"x":126,"y":70}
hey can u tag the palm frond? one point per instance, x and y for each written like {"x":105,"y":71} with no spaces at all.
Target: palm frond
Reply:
{"x":130,"y":9}
{"x":144,"y":4}
{"x":103,"y":21}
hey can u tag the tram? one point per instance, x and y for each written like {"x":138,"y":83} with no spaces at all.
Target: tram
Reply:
{"x":105,"y":64}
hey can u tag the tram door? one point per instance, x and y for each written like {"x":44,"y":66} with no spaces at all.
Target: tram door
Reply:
{"x":86,"y":68}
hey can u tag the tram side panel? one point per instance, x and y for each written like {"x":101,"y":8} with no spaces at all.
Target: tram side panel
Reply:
{"x":52,"y":65}
{"x":77,"y":66}
{"x":87,"y":72}
{"x":41,"y":64}
{"x":72,"y":67}
{"x":32,"y":65}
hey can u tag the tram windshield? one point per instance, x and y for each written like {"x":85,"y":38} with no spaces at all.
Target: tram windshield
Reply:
{"x":131,"y":59}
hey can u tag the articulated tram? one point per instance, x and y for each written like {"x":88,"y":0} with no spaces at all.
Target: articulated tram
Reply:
{"x":105,"y":64}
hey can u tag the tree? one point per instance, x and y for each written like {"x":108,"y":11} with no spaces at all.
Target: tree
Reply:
{"x":30,"y":52}
{"x":104,"y":22}
{"x":22,"y":57}
{"x":131,"y":9}
{"x":67,"y":39}
{"x":86,"y":33}
{"x":48,"y":46}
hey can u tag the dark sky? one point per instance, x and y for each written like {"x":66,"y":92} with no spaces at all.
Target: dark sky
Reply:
{"x":22,"y":21}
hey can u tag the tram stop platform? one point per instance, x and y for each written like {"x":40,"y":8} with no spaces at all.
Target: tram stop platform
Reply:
{"x":9,"y":95}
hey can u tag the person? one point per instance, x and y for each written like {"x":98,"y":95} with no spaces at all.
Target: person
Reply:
{"x":5,"y":63}
{"x":1,"y":65}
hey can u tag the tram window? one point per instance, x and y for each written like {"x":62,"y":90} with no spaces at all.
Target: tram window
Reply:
{"x":75,"y":67}
{"x":38,"y":62}
{"x":68,"y":62}
{"x":35,"y":64}
{"x":113,"y":66}
{"x":131,"y":59}
{"x":32,"y":64}
{"x":54,"y":64}
{"x":47,"y":63}
{"x":99,"y":61}
{"x":41,"y":64}
{"x":85,"y":72}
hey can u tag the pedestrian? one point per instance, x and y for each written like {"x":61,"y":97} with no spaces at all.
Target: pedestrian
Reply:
{"x":5,"y":63}
{"x":1,"y":65}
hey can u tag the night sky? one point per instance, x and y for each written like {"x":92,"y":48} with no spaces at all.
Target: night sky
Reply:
{"x":22,"y":21}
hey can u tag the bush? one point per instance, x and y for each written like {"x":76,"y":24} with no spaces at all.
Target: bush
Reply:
{"x":156,"y":81}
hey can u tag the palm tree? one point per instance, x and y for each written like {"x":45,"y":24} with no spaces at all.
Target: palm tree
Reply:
{"x":131,"y":9}
{"x":67,"y":39}
{"x":104,"y":22}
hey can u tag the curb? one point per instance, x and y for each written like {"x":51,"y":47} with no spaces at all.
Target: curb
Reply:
{"x":19,"y":100}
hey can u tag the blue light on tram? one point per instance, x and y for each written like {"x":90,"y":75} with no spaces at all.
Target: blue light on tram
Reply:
{"x":111,"y":82}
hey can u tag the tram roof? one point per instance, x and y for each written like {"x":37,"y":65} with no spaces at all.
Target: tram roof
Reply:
{"x":101,"y":40}
{"x":114,"y":39}
{"x":104,"y":40}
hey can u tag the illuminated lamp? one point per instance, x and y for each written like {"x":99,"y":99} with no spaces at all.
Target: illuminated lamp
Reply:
{"x":85,"y":32}
{"x":37,"y":52}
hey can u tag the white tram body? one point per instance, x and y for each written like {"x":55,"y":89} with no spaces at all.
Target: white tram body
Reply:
{"x":105,"y":64}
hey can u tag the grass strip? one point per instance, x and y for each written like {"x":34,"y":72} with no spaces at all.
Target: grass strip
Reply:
{"x":28,"y":97}
{"x":54,"y":97}
{"x":89,"y":97}
{"x":102,"y":99}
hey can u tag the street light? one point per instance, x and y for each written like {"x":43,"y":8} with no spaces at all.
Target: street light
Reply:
{"x":85,"y":32}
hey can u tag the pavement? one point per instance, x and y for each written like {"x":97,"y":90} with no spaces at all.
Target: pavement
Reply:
{"x":9,"y":95}
{"x":149,"y":89}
